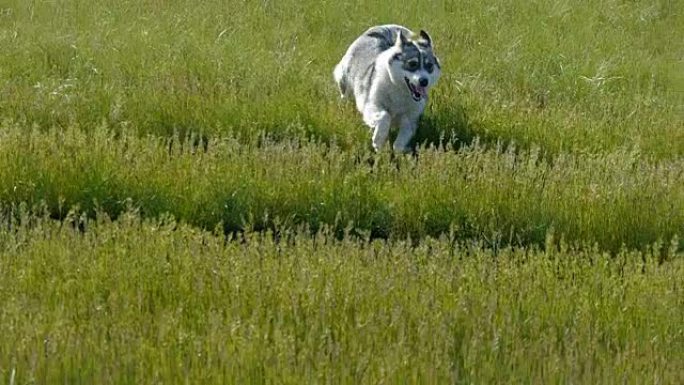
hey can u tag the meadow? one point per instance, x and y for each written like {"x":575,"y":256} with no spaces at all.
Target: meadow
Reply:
{"x":184,"y":198}
{"x":154,"y":301}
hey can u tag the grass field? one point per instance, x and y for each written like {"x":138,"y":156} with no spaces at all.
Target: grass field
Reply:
{"x":147,"y":301}
{"x":536,"y":237}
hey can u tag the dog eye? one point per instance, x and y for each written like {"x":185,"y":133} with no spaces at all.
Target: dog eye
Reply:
{"x":412,"y":65}
{"x":429,"y":66}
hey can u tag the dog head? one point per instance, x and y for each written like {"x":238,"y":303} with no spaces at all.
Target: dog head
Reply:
{"x":414,"y":64}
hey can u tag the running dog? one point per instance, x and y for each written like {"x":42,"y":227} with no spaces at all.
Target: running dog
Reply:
{"x":389,"y":71}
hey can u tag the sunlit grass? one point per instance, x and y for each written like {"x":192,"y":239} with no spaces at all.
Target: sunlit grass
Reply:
{"x":140,"y":301}
{"x":184,"y":199}
{"x":564,"y":75}
{"x":504,"y":197}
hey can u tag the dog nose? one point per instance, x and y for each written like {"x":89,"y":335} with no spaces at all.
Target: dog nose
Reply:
{"x":423,"y":82}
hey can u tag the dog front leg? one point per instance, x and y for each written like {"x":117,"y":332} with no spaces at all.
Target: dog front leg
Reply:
{"x":379,"y":121}
{"x":407,"y":128}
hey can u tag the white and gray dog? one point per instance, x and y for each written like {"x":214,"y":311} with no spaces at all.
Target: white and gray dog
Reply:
{"x":389,"y":70}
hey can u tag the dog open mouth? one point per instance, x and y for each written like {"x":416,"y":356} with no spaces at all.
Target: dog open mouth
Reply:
{"x":417,"y":92}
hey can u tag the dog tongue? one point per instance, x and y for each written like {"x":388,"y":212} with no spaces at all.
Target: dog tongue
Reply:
{"x":421,"y":91}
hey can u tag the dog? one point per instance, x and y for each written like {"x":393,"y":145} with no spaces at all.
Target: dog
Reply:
{"x":388,"y":70}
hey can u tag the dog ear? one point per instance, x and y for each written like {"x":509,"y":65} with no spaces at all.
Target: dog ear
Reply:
{"x":401,"y":39}
{"x":424,"y":36}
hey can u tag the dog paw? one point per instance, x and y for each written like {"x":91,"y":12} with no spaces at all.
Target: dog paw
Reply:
{"x":402,"y":149}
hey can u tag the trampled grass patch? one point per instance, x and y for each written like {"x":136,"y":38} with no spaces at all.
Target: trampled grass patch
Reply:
{"x":139,"y":301}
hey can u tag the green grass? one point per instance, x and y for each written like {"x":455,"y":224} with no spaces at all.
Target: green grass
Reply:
{"x":564,"y":75}
{"x":537,"y":236}
{"x":504,"y":197}
{"x":147,"y":301}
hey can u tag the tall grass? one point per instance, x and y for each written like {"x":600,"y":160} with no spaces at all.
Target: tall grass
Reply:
{"x":220,"y":218}
{"x":564,"y":75}
{"x":505,"y":197}
{"x":142,"y":301}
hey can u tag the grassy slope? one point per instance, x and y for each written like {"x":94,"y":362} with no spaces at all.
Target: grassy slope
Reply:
{"x":566,"y":75}
{"x":590,"y":92}
{"x":148,"y":301}
{"x":596,"y":82}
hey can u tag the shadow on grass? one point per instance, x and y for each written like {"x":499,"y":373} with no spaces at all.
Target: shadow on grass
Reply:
{"x":450,"y":129}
